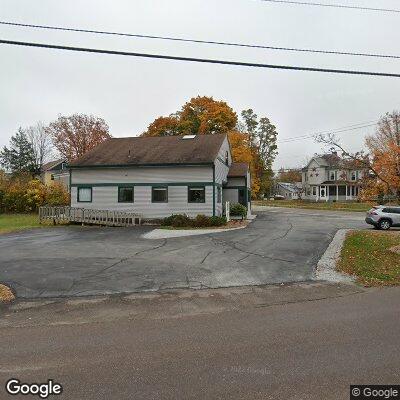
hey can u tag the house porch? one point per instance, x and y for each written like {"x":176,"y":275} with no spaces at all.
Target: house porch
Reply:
{"x":334,"y":192}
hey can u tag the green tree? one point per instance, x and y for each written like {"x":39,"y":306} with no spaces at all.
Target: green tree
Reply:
{"x":267,"y":142}
{"x":249,"y":124}
{"x":19,"y":157}
{"x":263,"y":138}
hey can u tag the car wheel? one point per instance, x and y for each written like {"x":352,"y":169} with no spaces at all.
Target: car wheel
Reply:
{"x":384,"y":224}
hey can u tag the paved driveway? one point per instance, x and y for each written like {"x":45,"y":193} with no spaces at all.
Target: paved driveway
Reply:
{"x":279,"y":246}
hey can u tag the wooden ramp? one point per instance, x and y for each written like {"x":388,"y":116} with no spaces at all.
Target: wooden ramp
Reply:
{"x":88,"y":216}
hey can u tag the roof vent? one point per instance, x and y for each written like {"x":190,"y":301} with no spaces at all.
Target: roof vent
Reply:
{"x":186,"y":137}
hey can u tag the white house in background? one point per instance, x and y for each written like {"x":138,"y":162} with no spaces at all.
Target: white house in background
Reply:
{"x":160,"y":176}
{"x":330,"y":178}
{"x":290,"y":191}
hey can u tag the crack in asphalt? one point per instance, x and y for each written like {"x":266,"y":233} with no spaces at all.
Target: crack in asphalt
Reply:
{"x":286,"y":232}
{"x":97,"y":273}
{"x":109,"y":267}
{"x":234,"y":245}
{"x":204,"y":259}
{"x":241,"y":259}
{"x":12,"y":283}
{"x":151,"y":249}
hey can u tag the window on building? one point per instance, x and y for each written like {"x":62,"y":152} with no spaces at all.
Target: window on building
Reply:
{"x":84,"y":195}
{"x":219,"y":194}
{"x":332,"y":176}
{"x":353,"y":175}
{"x":226,"y":158}
{"x":197,"y":194}
{"x":125,"y":195}
{"x":159,"y":194}
{"x":314,"y":190}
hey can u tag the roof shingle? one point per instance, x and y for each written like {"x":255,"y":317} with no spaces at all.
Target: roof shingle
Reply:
{"x":238,"y":170}
{"x":202,"y":149}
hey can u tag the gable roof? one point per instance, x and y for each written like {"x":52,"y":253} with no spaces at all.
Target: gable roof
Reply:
{"x":291,"y":187}
{"x":51,"y":164}
{"x":238,"y":170}
{"x":153,"y":150}
{"x":333,"y":160}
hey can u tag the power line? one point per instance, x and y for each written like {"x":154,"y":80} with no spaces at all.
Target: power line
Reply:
{"x":187,"y":40}
{"x":305,"y":3}
{"x":335,"y":131}
{"x":198,"y":60}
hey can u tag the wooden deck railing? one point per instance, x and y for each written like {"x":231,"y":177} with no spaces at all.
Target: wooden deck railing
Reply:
{"x":89,"y":216}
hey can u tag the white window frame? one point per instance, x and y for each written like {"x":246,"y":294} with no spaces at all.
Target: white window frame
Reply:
{"x":79,"y":196}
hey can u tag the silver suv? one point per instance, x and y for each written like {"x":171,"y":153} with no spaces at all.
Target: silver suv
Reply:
{"x":383,"y":217}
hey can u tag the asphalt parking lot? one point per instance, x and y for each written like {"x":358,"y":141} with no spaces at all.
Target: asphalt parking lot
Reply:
{"x":279,"y":246}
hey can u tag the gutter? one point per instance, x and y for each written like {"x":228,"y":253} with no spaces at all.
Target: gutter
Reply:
{"x":141,"y":165}
{"x":213,"y":168}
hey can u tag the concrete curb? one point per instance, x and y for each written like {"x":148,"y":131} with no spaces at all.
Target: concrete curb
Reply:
{"x":326,"y":267}
{"x":173,"y":233}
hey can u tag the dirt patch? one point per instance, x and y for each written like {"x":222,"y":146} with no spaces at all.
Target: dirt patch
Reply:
{"x":237,"y":223}
{"x":395,"y":249}
{"x":6,"y":295}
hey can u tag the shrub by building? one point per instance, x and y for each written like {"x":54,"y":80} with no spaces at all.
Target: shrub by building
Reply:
{"x":200,"y":221}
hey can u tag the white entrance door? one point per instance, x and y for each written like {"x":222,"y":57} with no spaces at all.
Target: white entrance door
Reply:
{"x":322,"y":193}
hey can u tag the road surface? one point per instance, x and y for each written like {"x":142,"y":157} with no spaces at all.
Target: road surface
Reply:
{"x":301,"y":349}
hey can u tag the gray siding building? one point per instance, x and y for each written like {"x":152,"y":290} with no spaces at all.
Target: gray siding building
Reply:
{"x":160,"y":176}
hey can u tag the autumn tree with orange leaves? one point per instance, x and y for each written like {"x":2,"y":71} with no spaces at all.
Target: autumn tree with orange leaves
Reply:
{"x":290,"y":175}
{"x":199,"y":116}
{"x":75,"y":135}
{"x":242,"y":152}
{"x":252,"y":140}
{"x":164,"y":126}
{"x":384,"y":147}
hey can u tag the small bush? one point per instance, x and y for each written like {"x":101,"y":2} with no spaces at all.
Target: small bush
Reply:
{"x":217,"y":221}
{"x":200,"y":221}
{"x":177,"y":221}
{"x":238,"y":210}
{"x":56,"y":195}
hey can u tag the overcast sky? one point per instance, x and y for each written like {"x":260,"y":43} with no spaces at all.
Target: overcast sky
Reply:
{"x":129,"y":93}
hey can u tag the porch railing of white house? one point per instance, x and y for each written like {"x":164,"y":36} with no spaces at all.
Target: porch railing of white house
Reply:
{"x":227,"y":211}
{"x":89,"y":216}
